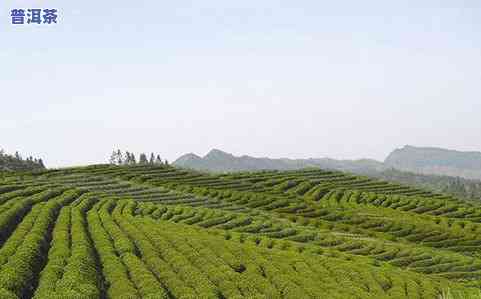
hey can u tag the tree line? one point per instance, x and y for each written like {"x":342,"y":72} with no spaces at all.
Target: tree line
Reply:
{"x":127,"y":158}
{"x":17,"y":162}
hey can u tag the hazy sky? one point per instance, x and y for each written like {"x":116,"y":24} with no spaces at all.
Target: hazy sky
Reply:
{"x":345,"y":79}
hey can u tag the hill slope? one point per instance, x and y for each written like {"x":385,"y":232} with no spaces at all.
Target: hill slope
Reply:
{"x":142,"y":231}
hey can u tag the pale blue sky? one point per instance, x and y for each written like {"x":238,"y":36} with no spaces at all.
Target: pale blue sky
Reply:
{"x":345,"y":79}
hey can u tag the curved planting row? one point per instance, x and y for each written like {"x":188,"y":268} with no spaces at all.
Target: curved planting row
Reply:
{"x":71,"y":270}
{"x":162,"y":232}
{"x":271,"y":275}
{"x":418,"y":205}
{"x":19,"y":274}
{"x":262,"y":231}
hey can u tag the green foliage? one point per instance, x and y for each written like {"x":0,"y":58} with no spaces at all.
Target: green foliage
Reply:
{"x":141,"y":231}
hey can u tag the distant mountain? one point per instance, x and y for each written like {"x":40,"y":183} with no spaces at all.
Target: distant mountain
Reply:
{"x":431,"y":160}
{"x":421,"y":160}
{"x":219,"y":161}
{"x":415,"y":168}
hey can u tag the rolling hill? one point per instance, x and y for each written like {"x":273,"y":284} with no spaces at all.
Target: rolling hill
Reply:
{"x":157,"y":231}
{"x":218,"y":161}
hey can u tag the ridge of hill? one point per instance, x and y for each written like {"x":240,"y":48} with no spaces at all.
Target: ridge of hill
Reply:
{"x":157,"y":231}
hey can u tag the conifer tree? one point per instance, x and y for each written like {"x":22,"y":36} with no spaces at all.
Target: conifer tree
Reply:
{"x":128,"y":158}
{"x":113,"y":158}
{"x":119,"y":157}
{"x":143,"y":159}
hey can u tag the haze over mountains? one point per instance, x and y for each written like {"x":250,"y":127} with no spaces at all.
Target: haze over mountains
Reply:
{"x":454,"y":172}
{"x":431,"y":160}
{"x":424,"y":160}
{"x":219,"y":161}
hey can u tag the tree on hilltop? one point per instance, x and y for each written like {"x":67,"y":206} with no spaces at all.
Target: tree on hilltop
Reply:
{"x":16,"y":162}
{"x":120,"y":158}
{"x":113,"y":158}
{"x":133,"y":160}
{"x":143,"y":159}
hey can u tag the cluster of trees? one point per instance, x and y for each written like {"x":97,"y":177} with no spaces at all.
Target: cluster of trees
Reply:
{"x":16,"y":162}
{"x":119,"y":158}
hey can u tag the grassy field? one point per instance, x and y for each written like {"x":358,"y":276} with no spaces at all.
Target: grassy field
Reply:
{"x":162,"y":232}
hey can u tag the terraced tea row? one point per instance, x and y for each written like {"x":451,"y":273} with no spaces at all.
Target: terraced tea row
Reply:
{"x":161,"y":232}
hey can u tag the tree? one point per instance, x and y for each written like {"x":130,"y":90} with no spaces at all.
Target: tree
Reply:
{"x":16,"y":162}
{"x":152,"y":159}
{"x":119,"y":157}
{"x":113,"y":158}
{"x":143,"y":159}
{"x":128,"y":158}
{"x":158,"y":160}
{"x":40,"y":163}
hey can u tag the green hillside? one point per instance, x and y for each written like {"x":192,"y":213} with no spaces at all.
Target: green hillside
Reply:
{"x":146,"y":231}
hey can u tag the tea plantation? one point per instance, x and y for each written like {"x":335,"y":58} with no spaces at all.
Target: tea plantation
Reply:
{"x":106,"y":231}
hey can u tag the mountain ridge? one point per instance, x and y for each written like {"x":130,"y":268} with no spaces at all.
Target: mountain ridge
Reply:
{"x":463,"y":183}
{"x":220,"y":161}
{"x":434,"y":160}
{"x":422,"y":160}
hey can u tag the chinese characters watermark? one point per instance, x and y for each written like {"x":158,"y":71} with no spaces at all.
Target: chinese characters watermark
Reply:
{"x":22,"y":16}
